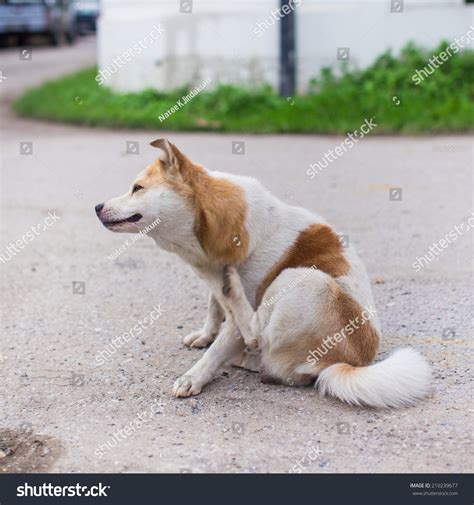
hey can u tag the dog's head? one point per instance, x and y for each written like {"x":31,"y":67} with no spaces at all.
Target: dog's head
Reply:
{"x":158,"y":193}
{"x":188,"y":204}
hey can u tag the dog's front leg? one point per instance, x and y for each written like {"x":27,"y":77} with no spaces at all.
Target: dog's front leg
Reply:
{"x":227,"y":346}
{"x":214,"y":318}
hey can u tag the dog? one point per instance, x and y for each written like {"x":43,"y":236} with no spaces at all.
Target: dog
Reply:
{"x":287,"y":299}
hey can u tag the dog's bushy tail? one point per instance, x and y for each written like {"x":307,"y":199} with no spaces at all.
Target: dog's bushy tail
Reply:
{"x":400,"y":380}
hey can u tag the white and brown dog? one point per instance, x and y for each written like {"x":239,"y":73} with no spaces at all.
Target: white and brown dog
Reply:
{"x":280,"y":282}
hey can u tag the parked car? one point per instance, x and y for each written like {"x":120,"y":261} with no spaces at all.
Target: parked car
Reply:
{"x":87,"y":13}
{"x":52,"y":18}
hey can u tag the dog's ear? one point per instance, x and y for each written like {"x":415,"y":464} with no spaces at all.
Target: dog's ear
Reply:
{"x":170,"y":160}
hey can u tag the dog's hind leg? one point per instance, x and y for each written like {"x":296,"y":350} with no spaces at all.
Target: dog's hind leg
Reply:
{"x":249,"y":361}
{"x":245,"y":317}
{"x":214,"y":318}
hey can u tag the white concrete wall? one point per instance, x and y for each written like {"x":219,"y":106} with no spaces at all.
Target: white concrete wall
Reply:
{"x":219,"y":39}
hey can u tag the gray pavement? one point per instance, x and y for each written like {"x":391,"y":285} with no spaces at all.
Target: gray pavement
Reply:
{"x":59,"y":408}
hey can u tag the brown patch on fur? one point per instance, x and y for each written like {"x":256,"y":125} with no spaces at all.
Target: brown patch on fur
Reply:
{"x":317,"y":245}
{"x":362,"y":345}
{"x":345,"y":369}
{"x":220,"y":224}
{"x":220,"y":208}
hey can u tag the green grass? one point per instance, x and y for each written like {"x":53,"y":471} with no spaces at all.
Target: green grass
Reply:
{"x":337,"y":102}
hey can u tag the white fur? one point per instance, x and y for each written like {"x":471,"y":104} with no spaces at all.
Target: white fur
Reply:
{"x":399,"y":380}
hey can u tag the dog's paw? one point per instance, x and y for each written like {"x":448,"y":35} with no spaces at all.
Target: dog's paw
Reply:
{"x":232,"y":285}
{"x":198,"y":339}
{"x":186,"y":386}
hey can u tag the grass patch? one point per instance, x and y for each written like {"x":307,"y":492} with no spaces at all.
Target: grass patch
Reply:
{"x":444,"y":102}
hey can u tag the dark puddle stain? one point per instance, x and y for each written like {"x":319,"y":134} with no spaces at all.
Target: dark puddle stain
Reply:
{"x":23,"y":451}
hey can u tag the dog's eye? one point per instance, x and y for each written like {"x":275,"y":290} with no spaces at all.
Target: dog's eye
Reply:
{"x":136,"y":188}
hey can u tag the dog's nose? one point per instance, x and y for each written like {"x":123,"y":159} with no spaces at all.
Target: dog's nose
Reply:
{"x":99,"y":207}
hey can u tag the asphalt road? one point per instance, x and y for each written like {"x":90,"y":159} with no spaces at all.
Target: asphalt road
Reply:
{"x":59,"y":407}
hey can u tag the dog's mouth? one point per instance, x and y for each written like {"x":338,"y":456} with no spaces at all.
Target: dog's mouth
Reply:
{"x":132,"y":219}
